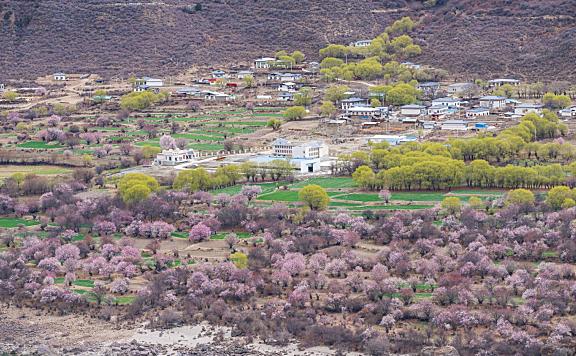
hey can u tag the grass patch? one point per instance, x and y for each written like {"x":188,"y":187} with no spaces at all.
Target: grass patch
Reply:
{"x":236,"y":189}
{"x":363,"y":197}
{"x":125,"y":300}
{"x":8,"y":170}
{"x":206,"y":146}
{"x":14,"y":222}
{"x":88,"y":283}
{"x":281,"y":195}
{"x":417,"y":196}
{"x":327,"y":183}
{"x":391,"y":207}
{"x":180,"y":235}
{"x":495,"y":193}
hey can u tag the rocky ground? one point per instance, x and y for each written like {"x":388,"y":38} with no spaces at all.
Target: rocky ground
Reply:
{"x":31,"y":332}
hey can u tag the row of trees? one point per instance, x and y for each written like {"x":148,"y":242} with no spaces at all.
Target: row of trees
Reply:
{"x":425,"y":171}
{"x":439,"y":166}
{"x":199,"y":179}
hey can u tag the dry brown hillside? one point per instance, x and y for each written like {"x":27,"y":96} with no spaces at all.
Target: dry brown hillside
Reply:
{"x":533,"y":39}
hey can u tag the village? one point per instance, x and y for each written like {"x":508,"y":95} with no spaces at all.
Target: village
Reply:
{"x":313,"y":138}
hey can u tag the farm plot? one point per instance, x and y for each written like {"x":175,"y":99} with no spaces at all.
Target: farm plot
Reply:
{"x":344,"y":195}
{"x":40,"y":145}
{"x":8,"y":170}
{"x":15,"y":222}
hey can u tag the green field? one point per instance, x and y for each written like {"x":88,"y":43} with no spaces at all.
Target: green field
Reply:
{"x":281,"y":195}
{"x":124,"y":300}
{"x":223,"y":235}
{"x":180,"y":235}
{"x":206,"y":146}
{"x":204,"y":136}
{"x":391,"y":207}
{"x":327,"y":183}
{"x":87,"y":283}
{"x":8,"y":170}
{"x":40,"y":145}
{"x":235,"y":189}
{"x":14,"y":222}
{"x":417,"y":196}
{"x":495,"y":193}
{"x":362,"y":197}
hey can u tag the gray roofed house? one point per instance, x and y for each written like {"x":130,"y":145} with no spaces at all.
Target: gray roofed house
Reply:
{"x":350,"y":102}
{"x":412,"y":110}
{"x":285,"y":96}
{"x":454,"y":125}
{"x":460,"y":88}
{"x":476,"y":112}
{"x":448,"y":102}
{"x":492,"y":102}
{"x":525,"y":108}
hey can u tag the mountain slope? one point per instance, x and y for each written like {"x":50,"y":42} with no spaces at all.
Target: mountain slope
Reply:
{"x":530,"y":39}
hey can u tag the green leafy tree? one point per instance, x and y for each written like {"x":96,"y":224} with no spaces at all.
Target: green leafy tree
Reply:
{"x":280,"y":169}
{"x":327,"y":109}
{"x":298,"y":56}
{"x":10,"y":96}
{"x":404,"y":25}
{"x":314,"y":196}
{"x":331,"y":62}
{"x":553,"y":101}
{"x":295,"y":113}
{"x":475,"y":203}
{"x":336,"y":93}
{"x":140,"y":100}
{"x":192,"y":180}
{"x":557,"y":195}
{"x":239,"y":259}
{"x":287,"y":59}
{"x":451,"y":204}
{"x":520,"y":197}
{"x":248,"y":81}
{"x":135,"y":187}
{"x":368,"y":69}
{"x":303,"y":97}
{"x":364,"y":177}
{"x":568,"y":203}
{"x":402,"y":94}
{"x":150,"y":151}
{"x":274,"y":124}
{"x":281,"y":53}
{"x":334,"y":50}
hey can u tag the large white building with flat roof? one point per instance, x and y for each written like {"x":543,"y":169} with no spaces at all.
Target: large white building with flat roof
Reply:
{"x":149,"y":82}
{"x":312,"y":149}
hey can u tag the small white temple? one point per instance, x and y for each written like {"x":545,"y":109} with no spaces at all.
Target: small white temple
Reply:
{"x":174,"y":157}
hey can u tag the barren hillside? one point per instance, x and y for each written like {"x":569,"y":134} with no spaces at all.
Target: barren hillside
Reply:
{"x":531,"y":39}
